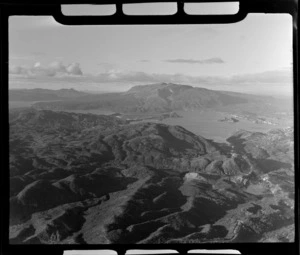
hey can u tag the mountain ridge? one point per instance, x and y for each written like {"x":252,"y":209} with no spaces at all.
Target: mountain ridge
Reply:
{"x":38,"y":94}
{"x":153,"y":98}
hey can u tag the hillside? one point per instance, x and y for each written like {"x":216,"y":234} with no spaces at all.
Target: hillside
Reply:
{"x":83,"y":178}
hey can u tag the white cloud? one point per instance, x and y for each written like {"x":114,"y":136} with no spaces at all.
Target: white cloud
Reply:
{"x":58,"y":67}
{"x":196,"y":61}
{"x":74,"y":69}
{"x":58,"y":70}
{"x":37,"y":65}
{"x":270,"y":82}
{"x":54,"y":69}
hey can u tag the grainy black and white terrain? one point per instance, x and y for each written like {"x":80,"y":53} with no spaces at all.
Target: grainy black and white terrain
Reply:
{"x":144,"y":173}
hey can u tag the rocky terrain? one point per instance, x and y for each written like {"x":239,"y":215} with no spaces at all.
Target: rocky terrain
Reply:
{"x":84,"y":178}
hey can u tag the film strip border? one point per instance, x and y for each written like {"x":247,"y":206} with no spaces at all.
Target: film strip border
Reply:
{"x":35,"y":7}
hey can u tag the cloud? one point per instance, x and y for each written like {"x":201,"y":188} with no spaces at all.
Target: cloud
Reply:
{"x":278,"y":76}
{"x":74,"y":69}
{"x":58,"y":74}
{"x":145,"y":60}
{"x":122,"y":77}
{"x":193,"y":61}
{"x":115,"y":75}
{"x":37,"y":65}
{"x":17,"y":70}
{"x":57,"y":70}
{"x":54,"y":69}
{"x":58,"y":67}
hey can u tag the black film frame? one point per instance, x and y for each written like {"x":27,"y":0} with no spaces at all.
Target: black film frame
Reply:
{"x":53,"y":8}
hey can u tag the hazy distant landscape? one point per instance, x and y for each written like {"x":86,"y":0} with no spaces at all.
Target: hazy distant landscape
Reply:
{"x":159,"y":163}
{"x":207,"y":114}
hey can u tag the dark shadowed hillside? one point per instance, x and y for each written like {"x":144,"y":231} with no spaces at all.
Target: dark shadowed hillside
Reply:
{"x":83,"y":178}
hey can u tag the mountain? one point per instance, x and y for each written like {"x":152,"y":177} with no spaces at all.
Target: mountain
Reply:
{"x":84,"y":178}
{"x":155,"y":98}
{"x":43,"y":94}
{"x":178,"y":97}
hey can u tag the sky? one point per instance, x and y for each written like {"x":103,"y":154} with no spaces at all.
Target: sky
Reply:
{"x":251,"y":56}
